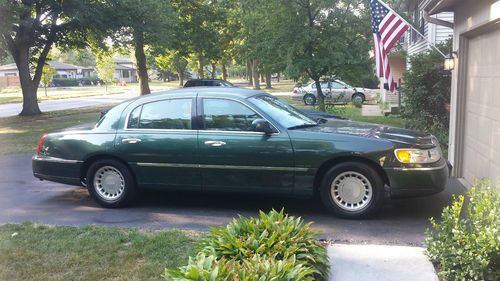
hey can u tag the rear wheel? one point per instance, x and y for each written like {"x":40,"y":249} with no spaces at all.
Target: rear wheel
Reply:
{"x":309,"y":99}
{"x":110,"y":183}
{"x":352,"y":190}
{"x":358,"y":97}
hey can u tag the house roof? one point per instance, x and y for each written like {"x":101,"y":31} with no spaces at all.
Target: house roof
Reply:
{"x":123,"y":61}
{"x":123,"y":67}
{"x":65,"y":66}
{"x":10,"y":66}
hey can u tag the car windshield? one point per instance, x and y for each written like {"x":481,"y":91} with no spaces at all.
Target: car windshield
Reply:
{"x":281,"y":112}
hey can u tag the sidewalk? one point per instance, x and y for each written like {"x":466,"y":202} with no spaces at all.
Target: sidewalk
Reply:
{"x":379,"y":263}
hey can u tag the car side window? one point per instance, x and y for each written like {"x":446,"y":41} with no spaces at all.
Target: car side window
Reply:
{"x":165,"y":114}
{"x":227,"y":115}
{"x":336,"y":85}
{"x":324,"y":85}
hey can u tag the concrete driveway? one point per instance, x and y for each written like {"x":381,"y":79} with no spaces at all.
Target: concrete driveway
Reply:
{"x":24,"y":198}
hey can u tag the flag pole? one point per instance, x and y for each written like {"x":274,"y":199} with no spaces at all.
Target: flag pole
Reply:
{"x":410,"y":25}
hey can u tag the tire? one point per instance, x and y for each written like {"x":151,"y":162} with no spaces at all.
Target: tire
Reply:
{"x":309,"y":99}
{"x":120,"y":188}
{"x":351,"y":203}
{"x":358,"y":96}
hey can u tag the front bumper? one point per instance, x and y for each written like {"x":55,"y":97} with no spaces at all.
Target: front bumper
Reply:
{"x":418,"y":181}
{"x":57,"y":170}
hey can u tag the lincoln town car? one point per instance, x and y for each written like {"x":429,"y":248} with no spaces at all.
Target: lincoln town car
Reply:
{"x":239,"y":140}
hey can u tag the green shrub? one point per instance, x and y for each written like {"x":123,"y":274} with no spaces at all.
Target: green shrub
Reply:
{"x":274,"y":246}
{"x":427,"y":92}
{"x":466,"y":243}
{"x":65,"y":82}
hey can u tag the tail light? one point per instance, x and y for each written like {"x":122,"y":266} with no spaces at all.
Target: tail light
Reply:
{"x":40,"y":144}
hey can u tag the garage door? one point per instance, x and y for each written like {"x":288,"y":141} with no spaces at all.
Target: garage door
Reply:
{"x":482,"y":108}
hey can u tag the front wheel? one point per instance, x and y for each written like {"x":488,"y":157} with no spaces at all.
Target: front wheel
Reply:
{"x":309,"y":99}
{"x":352,"y":190}
{"x":110,"y":183}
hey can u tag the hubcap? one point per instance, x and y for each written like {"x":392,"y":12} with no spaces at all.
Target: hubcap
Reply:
{"x":351,"y":191}
{"x":109,"y":183}
{"x":309,"y":100}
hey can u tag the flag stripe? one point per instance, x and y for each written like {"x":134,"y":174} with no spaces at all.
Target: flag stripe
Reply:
{"x":387,"y":28}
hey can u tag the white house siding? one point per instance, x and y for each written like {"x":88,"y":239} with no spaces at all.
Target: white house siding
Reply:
{"x":475,"y":108}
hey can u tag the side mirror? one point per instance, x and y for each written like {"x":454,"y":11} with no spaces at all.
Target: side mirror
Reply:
{"x":261,"y":125}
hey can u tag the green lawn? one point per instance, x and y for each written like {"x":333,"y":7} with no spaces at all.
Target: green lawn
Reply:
{"x":353,"y":113}
{"x":39,"y":252}
{"x":13,"y":94}
{"x":20,"y":134}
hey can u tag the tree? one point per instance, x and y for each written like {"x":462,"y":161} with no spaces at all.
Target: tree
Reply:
{"x":47,"y":73}
{"x":82,"y":56}
{"x":197,"y":32}
{"x":105,"y":66}
{"x":325,"y":38}
{"x":173,"y":61}
{"x":29,"y":29}
{"x":141,"y":24}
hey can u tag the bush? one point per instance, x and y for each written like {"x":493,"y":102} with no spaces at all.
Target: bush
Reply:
{"x":427,"y":91}
{"x":466,"y":243}
{"x":274,"y":246}
{"x":65,"y":82}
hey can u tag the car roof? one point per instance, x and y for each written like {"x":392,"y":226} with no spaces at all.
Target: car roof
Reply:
{"x":204,"y":92}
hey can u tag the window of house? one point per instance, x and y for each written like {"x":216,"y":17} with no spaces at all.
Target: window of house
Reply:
{"x":227,"y":115}
{"x":126,"y":74}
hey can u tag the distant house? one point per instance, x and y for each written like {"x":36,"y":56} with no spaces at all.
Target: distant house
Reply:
{"x":63,"y":70}
{"x":413,"y":43}
{"x":125,"y":70}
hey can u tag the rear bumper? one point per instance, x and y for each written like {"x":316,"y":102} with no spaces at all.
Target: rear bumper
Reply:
{"x":420,"y":181}
{"x":57,"y":170}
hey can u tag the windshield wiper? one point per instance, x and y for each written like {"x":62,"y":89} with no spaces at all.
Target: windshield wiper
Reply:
{"x":302,"y":126}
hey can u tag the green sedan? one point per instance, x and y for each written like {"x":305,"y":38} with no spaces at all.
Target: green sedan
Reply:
{"x":238,"y":140}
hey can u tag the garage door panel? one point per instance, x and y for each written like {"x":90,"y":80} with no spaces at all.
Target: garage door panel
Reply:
{"x":481,"y":132}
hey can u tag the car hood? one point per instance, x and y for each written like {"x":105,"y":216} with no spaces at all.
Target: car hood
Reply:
{"x":396,"y":135}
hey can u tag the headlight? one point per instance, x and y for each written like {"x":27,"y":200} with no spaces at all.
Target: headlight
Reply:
{"x":418,"y":156}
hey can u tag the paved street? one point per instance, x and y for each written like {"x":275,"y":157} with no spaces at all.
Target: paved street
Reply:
{"x":12,"y":109}
{"x":24,"y":198}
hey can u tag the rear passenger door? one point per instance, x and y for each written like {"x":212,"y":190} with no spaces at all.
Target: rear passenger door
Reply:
{"x":160,"y":144}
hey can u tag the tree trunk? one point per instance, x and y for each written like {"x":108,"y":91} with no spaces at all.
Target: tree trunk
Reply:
{"x":255,"y":74}
{"x":28,"y":87}
{"x":201,"y":66}
{"x":262,"y":80}
{"x":181,"y":78}
{"x":249,"y":73}
{"x":142,"y":69}
{"x":224,"y":72}
{"x":279,"y":74}
{"x":214,"y":66}
{"x":268,"y":80}
{"x":46,"y":91}
{"x":321,"y":97}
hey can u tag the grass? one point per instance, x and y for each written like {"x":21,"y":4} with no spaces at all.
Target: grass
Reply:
{"x":351,"y":112}
{"x":20,"y":134}
{"x":14,"y":95}
{"x":39,"y":252}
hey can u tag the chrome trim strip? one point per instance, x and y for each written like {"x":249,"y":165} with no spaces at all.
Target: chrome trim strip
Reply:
{"x":417,"y":169}
{"x":229,"y":167}
{"x":55,"y":159}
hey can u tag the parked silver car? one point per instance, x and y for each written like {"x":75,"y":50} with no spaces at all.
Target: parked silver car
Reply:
{"x":335,"y":92}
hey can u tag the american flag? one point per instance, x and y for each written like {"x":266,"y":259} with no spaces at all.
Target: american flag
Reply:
{"x":387,"y":27}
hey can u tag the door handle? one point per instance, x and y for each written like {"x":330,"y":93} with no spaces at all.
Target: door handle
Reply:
{"x":131,"y":140}
{"x":215,"y":143}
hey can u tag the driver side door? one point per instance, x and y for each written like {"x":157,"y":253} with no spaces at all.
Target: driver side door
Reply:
{"x":233,"y":157}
